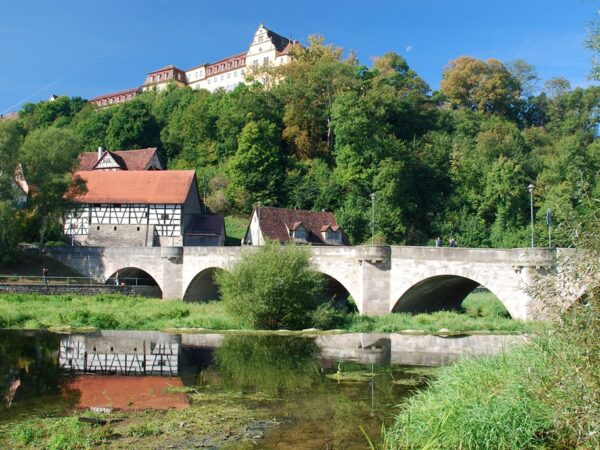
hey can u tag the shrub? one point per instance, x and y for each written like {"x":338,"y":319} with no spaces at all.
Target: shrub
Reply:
{"x":326,"y":317}
{"x":272,"y":287}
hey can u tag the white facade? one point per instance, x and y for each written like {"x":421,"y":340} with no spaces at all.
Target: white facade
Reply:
{"x":233,"y":71}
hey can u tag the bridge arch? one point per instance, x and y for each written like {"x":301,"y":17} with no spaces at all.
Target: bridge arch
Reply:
{"x":447,"y":291}
{"x":203,"y":287}
{"x":134,"y":276}
{"x":337,"y":293}
{"x":336,"y":282}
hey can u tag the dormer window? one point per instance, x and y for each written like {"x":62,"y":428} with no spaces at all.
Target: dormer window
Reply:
{"x":331,"y":234}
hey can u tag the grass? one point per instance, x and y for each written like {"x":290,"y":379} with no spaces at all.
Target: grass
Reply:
{"x":542,"y":395}
{"x":33,"y":311}
{"x":235,"y":226}
{"x":208,"y":414}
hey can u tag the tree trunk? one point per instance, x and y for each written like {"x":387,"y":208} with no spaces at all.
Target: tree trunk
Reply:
{"x":42,"y":234}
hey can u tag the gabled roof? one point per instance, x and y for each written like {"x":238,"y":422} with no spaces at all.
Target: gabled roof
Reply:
{"x":275,"y":224}
{"x":128,"y":159}
{"x":140,"y":186}
{"x":278,"y":41}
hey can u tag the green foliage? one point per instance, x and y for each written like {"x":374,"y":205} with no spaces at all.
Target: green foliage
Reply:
{"x":257,"y":168}
{"x":48,"y":155}
{"x":268,"y":363}
{"x":132,"y":126}
{"x":324,"y":132}
{"x":272,"y":287}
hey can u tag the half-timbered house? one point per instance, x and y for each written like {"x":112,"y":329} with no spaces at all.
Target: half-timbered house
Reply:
{"x":141,"y":208}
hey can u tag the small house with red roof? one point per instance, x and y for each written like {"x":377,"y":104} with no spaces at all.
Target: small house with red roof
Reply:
{"x":293,"y":225}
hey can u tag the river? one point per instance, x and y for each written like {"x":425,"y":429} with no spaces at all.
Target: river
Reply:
{"x":223,"y":390}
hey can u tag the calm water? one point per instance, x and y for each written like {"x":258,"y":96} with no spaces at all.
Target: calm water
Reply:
{"x":317,"y":391}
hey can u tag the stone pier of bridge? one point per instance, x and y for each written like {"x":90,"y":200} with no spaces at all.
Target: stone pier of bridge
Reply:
{"x":380,"y":279}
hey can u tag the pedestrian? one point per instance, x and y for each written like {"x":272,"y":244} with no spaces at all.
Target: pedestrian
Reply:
{"x":45,"y":275}
{"x":117,"y":278}
{"x":453,"y":242}
{"x":438,"y":241}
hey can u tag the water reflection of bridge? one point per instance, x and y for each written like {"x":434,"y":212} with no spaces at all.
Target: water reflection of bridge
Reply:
{"x":154,"y":353}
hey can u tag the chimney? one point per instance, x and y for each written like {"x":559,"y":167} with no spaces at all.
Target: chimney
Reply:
{"x":100,"y":151}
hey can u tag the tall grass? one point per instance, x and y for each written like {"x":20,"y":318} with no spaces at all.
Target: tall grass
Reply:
{"x":540,"y":395}
{"x":110,"y":312}
{"x":119,"y":312}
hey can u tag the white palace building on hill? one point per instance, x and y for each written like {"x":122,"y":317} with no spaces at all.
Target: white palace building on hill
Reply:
{"x":267,"y":49}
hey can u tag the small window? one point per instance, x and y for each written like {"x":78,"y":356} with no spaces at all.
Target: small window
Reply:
{"x":165,"y":217}
{"x":138,"y":228}
{"x":114,"y":228}
{"x":97,"y":228}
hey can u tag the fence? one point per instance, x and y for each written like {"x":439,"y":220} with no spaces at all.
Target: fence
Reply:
{"x":76,"y":281}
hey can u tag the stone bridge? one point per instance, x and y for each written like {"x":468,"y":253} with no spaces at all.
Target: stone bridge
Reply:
{"x":380,"y":279}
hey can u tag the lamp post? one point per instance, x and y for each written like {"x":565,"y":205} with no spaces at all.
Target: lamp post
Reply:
{"x":530,"y":188}
{"x":372,"y":218}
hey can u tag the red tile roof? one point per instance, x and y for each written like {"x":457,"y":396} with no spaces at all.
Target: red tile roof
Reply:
{"x":114,"y":94}
{"x":141,"y":186}
{"x":275,"y":223}
{"x":127,"y":159}
{"x":126,"y":393}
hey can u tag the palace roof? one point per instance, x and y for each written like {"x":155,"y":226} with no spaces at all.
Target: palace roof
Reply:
{"x":275,"y":224}
{"x":115,"y":94}
{"x":139,"y":186}
{"x":127,"y":159}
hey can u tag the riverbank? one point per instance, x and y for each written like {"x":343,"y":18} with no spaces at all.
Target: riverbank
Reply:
{"x":75,"y":313}
{"x":542,"y":395}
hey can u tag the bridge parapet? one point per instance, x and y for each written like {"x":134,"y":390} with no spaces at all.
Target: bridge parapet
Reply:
{"x":523,"y":257}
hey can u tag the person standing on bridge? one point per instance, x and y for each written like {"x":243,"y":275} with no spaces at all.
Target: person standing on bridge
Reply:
{"x":453,"y":243}
{"x":438,"y":241}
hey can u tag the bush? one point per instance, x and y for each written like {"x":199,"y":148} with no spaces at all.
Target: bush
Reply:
{"x":327,"y":317}
{"x":272,"y":287}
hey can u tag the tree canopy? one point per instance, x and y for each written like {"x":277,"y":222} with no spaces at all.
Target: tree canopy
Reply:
{"x":326,"y":132}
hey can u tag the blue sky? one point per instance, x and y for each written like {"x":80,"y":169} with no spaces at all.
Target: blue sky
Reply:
{"x":79,"y":48}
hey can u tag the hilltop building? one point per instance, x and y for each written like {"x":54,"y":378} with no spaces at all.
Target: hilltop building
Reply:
{"x":130,"y":201}
{"x":293,"y":225}
{"x":267,"y":49}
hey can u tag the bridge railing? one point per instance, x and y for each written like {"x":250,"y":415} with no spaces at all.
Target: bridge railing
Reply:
{"x":88,"y":281}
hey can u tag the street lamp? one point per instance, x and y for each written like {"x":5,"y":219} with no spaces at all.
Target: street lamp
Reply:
{"x":372,"y":218}
{"x":530,"y":188}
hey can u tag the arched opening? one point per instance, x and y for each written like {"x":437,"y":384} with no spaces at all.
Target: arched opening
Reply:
{"x":338,"y":295}
{"x":145,"y":284}
{"x":203,"y":287}
{"x":450,"y":292}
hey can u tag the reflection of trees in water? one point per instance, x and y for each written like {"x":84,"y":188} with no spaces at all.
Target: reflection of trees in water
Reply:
{"x":268,"y":363}
{"x":30,"y":358}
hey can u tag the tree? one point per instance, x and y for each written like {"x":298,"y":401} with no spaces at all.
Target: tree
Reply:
{"x":485,"y":86}
{"x":308,"y":90}
{"x":557,"y":87}
{"x":526,"y":75}
{"x":132,"y":126}
{"x":48,"y":157}
{"x":272,"y":287}
{"x":10,"y":141}
{"x":257,"y":168}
